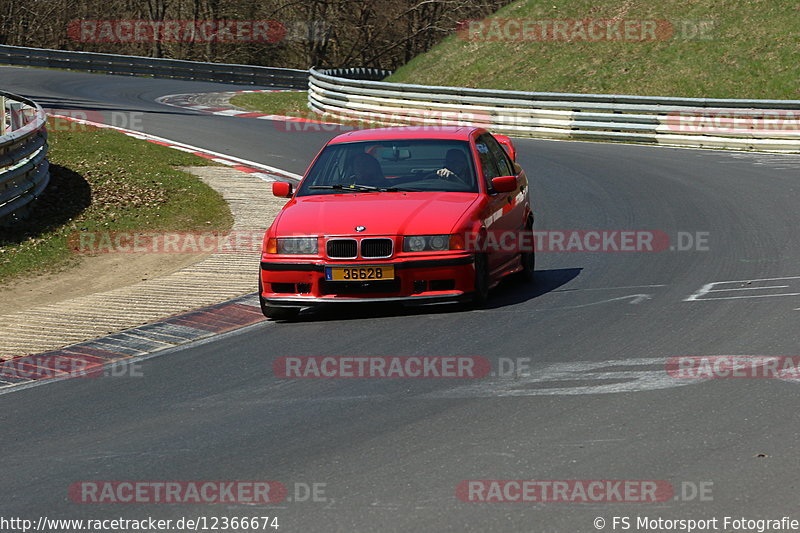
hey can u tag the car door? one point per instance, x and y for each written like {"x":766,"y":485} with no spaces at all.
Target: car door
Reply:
{"x":516,"y":208}
{"x":495,"y":215}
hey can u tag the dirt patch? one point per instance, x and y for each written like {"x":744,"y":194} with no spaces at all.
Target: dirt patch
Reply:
{"x":93,"y":274}
{"x":107,"y":293}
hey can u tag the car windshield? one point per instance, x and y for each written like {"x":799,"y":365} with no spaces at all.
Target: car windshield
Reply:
{"x":392,"y":165}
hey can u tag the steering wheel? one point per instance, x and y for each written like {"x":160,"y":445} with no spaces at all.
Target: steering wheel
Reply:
{"x":451,"y":176}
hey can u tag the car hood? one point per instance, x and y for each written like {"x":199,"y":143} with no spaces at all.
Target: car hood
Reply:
{"x":386,"y":213}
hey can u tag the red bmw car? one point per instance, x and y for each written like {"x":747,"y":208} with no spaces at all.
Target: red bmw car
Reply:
{"x":397,"y":214}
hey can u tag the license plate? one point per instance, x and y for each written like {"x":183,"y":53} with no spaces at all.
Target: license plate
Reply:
{"x":360,"y":273}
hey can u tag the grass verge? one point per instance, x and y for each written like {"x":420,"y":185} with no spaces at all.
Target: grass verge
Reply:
{"x":734,"y":49}
{"x":102,"y":180}
{"x":290,"y":103}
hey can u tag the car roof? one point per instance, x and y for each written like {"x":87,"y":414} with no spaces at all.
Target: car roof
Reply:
{"x":461,"y":133}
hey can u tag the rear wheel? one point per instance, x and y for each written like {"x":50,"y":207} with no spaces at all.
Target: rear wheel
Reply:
{"x":528,"y":259}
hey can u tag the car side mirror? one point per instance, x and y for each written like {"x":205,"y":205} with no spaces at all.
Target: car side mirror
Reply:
{"x":508,"y":146}
{"x":505,"y":183}
{"x":282,"y":189}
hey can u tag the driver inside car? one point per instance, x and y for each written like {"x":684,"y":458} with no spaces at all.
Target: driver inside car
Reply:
{"x":456,"y":166}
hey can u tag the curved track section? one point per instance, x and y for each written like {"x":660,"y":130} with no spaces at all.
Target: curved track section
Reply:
{"x":597,"y":329}
{"x":131,"y":102}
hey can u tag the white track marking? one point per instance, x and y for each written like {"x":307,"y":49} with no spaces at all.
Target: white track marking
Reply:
{"x":751,"y":288}
{"x":222,"y":158}
{"x":634,"y":299}
{"x":184,"y":101}
{"x":719,"y":286}
{"x":609,"y":288}
{"x":592,"y":377}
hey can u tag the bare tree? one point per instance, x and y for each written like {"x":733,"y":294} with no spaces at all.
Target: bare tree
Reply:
{"x":325,"y":33}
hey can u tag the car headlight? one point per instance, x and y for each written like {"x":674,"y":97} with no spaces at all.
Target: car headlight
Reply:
{"x":426,"y":243}
{"x":298,"y":245}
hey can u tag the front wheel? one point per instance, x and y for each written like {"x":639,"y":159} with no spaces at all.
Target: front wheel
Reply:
{"x":275,"y":313}
{"x":279,"y":313}
{"x":481,"y":294}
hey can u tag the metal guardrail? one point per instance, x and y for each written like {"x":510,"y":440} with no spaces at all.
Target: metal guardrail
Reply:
{"x":770,"y":125}
{"x":359,"y":73}
{"x":24,"y":170}
{"x":156,"y":67}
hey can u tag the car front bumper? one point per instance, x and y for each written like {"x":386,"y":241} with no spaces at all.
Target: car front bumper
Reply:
{"x":287,"y":283}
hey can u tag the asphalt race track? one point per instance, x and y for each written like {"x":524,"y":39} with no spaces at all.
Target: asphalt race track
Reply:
{"x":392,"y":452}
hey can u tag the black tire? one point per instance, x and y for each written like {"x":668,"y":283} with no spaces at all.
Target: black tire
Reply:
{"x":481,"y":294}
{"x":275,"y":313}
{"x":279,"y":313}
{"x":528,"y":260}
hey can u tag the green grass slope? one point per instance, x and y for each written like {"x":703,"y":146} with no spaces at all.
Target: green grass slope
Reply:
{"x":101,"y":180}
{"x":748,"y":49}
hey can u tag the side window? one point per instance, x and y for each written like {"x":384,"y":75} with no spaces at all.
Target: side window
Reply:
{"x":488,"y":162}
{"x":503,"y":164}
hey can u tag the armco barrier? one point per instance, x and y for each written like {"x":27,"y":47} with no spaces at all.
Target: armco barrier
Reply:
{"x":156,"y":67}
{"x":770,"y":125}
{"x":24,"y":171}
